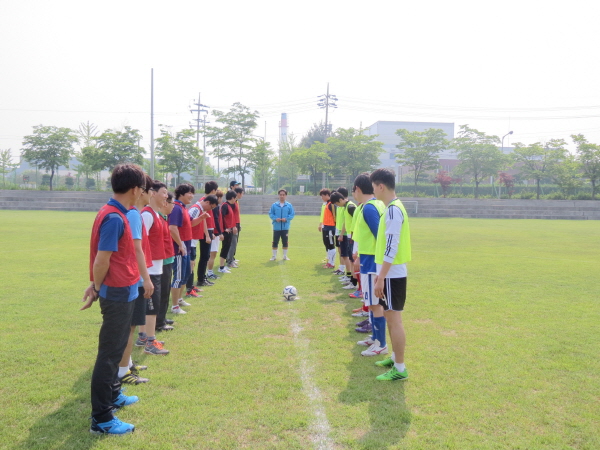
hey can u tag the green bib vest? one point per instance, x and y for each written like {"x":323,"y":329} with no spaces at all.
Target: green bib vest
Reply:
{"x":404,"y":254}
{"x":339,"y":217}
{"x":348,"y":219}
{"x":362,"y":232}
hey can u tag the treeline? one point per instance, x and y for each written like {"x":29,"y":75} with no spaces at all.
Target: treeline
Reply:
{"x":480,"y":159}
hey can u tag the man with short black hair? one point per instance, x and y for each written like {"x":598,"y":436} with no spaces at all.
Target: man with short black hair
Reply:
{"x":281,"y":214}
{"x":228,"y":227}
{"x":114,"y":274}
{"x":231,"y":261}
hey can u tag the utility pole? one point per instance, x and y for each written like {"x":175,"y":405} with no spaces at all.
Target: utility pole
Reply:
{"x":198,"y":120}
{"x":325,"y":102}
{"x":151,"y":123}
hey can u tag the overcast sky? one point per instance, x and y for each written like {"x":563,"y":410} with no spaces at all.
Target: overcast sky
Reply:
{"x":527,"y":66}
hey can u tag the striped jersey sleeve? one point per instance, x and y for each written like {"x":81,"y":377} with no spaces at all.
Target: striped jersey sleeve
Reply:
{"x":393,"y":227}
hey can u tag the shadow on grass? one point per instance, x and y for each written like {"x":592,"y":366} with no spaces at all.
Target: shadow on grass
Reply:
{"x":67,"y":427}
{"x":389,"y":418}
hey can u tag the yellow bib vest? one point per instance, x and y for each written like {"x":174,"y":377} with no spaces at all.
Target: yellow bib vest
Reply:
{"x":404,"y":252}
{"x":339,"y":217}
{"x":348,"y":219}
{"x":362,"y":232}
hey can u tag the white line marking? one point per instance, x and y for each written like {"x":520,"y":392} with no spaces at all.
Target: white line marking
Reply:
{"x":320,"y":428}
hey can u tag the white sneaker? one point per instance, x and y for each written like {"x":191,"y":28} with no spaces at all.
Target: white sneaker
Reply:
{"x":232,"y":265}
{"x":177,"y":310}
{"x":344,"y":279}
{"x":285,"y":258}
{"x":367,"y":342}
{"x":224,"y":270}
{"x":273,"y":258}
{"x":375,"y":350}
{"x":349,"y":286}
{"x":361,"y":314}
{"x":182,"y":302}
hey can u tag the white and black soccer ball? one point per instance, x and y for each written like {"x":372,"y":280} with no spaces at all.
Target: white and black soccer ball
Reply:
{"x":290,"y":293}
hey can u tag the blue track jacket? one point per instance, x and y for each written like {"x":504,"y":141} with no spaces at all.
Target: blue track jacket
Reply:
{"x":281,"y":212}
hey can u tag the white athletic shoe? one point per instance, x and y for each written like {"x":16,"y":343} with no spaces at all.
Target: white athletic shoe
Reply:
{"x":224,"y":270}
{"x":344,"y":279}
{"x":361,"y":314}
{"x":367,"y":342}
{"x":349,"y":286}
{"x":177,"y":310}
{"x":285,"y":258}
{"x":182,"y":302}
{"x":273,"y":258}
{"x":375,"y":350}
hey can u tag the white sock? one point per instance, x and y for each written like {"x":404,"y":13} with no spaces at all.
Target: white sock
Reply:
{"x":275,"y":253}
{"x":123,"y":371}
{"x":331,"y":257}
{"x":285,"y":253}
{"x":130,"y":362}
{"x":400,"y":367}
{"x":210,"y":272}
{"x":342,"y":267}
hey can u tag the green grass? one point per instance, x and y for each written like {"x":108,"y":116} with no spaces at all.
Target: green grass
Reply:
{"x":502,"y":325}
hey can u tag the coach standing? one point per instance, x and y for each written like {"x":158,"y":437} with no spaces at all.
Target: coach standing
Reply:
{"x":281,"y":213}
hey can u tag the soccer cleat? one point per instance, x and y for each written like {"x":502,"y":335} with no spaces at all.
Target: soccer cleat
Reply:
{"x":169,"y":321}
{"x":375,"y":350}
{"x":393,"y":374}
{"x":165,"y":328}
{"x":177,"y":310}
{"x":190,"y":293}
{"x":361,"y":313}
{"x":344,"y":279}
{"x":212,"y":276}
{"x":132,"y":378}
{"x":367,"y":342}
{"x":155,"y":348}
{"x":135,"y":368}
{"x":368,"y":328}
{"x":328,"y":266}
{"x":232,"y":265}
{"x":363,"y":323}
{"x":387,"y":362}
{"x":224,"y":270}
{"x":206,"y":282}
{"x":356,"y":294}
{"x":285,"y":258}
{"x":349,"y":286}
{"x":273,"y":258}
{"x":338,"y":272}
{"x":114,"y":426}
{"x":357,"y":310}
{"x":125,"y":400}
{"x":141,"y":342}
{"x":197,"y":289}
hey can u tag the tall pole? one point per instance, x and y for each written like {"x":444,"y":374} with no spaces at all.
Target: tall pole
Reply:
{"x":204,"y":147}
{"x":198,"y":120}
{"x":152,"y":123}
{"x":510,"y":132}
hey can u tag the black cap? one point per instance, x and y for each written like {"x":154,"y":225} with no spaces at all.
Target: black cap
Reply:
{"x":233,"y":183}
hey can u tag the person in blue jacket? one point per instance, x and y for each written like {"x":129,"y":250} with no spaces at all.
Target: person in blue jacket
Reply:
{"x":281,"y":213}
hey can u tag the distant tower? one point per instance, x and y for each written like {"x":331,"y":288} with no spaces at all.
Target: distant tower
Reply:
{"x":283,"y":128}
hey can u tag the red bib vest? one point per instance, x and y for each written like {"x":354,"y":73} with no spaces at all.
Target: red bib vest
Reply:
{"x":156,"y":236}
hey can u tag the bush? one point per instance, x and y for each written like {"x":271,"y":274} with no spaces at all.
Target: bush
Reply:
{"x":525,"y":195}
{"x":582,"y":196}
{"x":90,"y":183}
{"x":555,"y":196}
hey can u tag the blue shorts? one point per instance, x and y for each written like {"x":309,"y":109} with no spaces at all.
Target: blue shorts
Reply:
{"x":345,"y":250}
{"x":181,"y":270}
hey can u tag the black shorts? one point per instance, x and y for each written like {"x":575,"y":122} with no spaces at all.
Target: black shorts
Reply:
{"x":283,"y":234}
{"x":139,"y":309}
{"x":344,"y":249}
{"x":153,"y":303}
{"x":193,"y":253}
{"x":394,"y":290}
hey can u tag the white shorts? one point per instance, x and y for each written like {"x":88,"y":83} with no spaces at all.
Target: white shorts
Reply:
{"x":214,"y":244}
{"x":367,"y":282}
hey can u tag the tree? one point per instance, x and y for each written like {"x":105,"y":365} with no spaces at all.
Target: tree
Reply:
{"x":177,"y":153}
{"x":312,"y":160}
{"x":315,"y":134}
{"x":478,"y":154}
{"x":233,"y":139}
{"x":589,"y":158}
{"x":262,"y":162}
{"x":89,"y":157}
{"x":287,"y":169}
{"x":445,"y":181}
{"x":6,"y":164}
{"x":119,"y":147}
{"x":420,"y":150}
{"x":353,"y":152}
{"x":535,"y":161}
{"x":49,"y":148}
{"x":567,"y":174}
{"x":508,"y":181}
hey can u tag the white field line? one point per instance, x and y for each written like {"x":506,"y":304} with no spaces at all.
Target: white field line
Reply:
{"x":319,"y":428}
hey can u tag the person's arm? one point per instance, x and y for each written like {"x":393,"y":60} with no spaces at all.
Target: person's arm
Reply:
{"x":199,"y":219}
{"x":206,"y":233}
{"x":99,"y":271}
{"x":393,"y":228}
{"x":322,"y":217}
{"x":174,"y":230}
{"x":291,"y":213}
{"x":371,"y":216}
{"x":272,"y":215}
{"x":141,"y":263}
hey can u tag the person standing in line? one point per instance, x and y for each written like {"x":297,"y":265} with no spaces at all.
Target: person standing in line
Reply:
{"x":114,"y":276}
{"x":231,"y":261}
{"x":392,"y":252}
{"x":162,"y":323}
{"x":228,"y":227}
{"x":218,"y":237}
{"x":281,"y":214}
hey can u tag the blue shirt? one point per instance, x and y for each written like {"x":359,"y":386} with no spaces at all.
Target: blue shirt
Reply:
{"x":111,"y":230}
{"x":135,"y":223}
{"x":278,"y":211}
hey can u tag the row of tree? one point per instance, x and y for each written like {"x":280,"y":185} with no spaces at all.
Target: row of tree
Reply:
{"x":480,"y":158}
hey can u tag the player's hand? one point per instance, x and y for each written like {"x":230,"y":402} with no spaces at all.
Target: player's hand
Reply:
{"x":379,"y":286}
{"x":235,"y":230}
{"x":89,"y":297}
{"x":284,"y":220}
{"x":204,"y":214}
{"x":148,"y":288}
{"x":277,"y":220}
{"x":340,"y":238}
{"x":320,"y":228}
{"x":182,"y":249}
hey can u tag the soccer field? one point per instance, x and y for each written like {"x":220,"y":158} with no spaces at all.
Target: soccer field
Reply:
{"x":503,"y":340}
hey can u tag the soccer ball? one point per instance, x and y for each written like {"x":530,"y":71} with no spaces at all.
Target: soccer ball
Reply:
{"x":290,"y":293}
